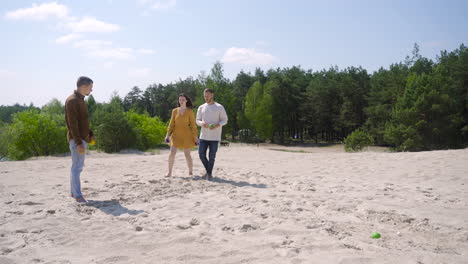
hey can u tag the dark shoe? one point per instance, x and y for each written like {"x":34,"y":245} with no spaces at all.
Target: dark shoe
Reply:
{"x":81,"y":200}
{"x":210,"y":177}
{"x":204,"y":176}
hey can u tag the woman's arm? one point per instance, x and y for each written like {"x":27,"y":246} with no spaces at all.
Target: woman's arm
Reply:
{"x":170,"y":128}
{"x":193,"y":125}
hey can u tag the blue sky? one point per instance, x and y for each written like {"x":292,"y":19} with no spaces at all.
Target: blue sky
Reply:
{"x":46,"y":45}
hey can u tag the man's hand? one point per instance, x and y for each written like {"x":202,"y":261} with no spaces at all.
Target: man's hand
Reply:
{"x":81,"y":149}
{"x":92,"y":141}
{"x":205,"y":125}
{"x":213,"y":126}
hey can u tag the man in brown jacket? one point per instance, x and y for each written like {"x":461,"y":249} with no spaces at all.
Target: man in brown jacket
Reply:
{"x":79,"y":134}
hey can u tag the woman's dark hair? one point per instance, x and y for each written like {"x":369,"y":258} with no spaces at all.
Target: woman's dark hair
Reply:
{"x":189,"y":101}
{"x":83,"y":80}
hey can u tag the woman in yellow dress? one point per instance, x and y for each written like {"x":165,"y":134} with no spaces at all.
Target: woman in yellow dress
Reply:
{"x":182,"y":132}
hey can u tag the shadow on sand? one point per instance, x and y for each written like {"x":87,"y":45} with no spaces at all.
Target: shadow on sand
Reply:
{"x":112,"y":207}
{"x":235,"y":183}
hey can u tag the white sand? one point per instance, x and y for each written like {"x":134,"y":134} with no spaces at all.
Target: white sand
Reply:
{"x":266,"y":207}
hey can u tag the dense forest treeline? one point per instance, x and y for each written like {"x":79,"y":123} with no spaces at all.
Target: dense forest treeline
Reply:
{"x":418,"y":104}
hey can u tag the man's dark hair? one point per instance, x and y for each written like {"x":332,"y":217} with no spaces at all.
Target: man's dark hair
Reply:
{"x":189,"y":101}
{"x":209,"y":90}
{"x":83,"y":80}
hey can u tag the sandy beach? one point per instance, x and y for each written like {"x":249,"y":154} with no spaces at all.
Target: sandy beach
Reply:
{"x":267,"y":204}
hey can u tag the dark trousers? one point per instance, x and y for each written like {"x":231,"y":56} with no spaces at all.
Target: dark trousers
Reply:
{"x":202,"y":147}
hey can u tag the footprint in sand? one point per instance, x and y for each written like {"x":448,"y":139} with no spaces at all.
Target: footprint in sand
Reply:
{"x":352,"y":247}
{"x":15,"y":212}
{"x":228,"y":229}
{"x":6,"y":251}
{"x":110,"y":186}
{"x":454,"y":200}
{"x":229,"y":253}
{"x":287,"y":251}
{"x":30,"y":203}
{"x":247,"y":228}
{"x":11,"y":246}
{"x":194,"y":222}
{"x":183,"y":226}
{"x":264,"y":216}
{"x":287,"y":242}
{"x":114,"y":259}
{"x":86,"y":210}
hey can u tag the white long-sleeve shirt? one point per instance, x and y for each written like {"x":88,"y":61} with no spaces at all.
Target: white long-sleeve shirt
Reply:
{"x":211,"y":114}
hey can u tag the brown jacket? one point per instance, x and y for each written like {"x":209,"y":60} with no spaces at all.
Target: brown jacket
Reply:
{"x":76,"y":116}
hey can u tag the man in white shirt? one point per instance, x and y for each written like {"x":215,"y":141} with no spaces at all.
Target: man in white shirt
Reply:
{"x":211,"y":116}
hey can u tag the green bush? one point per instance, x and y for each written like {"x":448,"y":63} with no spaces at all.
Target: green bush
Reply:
{"x":55,"y":110}
{"x":403,"y":138}
{"x":32,"y":134}
{"x":3,"y":141}
{"x":150,"y":132}
{"x":112,"y":129}
{"x":357,"y":140}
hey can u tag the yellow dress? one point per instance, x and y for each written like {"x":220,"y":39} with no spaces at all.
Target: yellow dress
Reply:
{"x":182,"y":129}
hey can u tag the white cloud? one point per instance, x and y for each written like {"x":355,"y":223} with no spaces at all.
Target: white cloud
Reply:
{"x":39,"y":12}
{"x":104,"y":49}
{"x":112,"y":53}
{"x":211,"y":52}
{"x":77,"y":25}
{"x":247,"y":56}
{"x":164,"y":5}
{"x":91,"y":44}
{"x":145,"y":51}
{"x":67,"y":38}
{"x":161,"y":5}
{"x":140,"y":72}
{"x":90,"y":24}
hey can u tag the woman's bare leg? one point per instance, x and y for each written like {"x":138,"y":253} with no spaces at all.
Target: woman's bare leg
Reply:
{"x":171,"y":160}
{"x":188,"y":157}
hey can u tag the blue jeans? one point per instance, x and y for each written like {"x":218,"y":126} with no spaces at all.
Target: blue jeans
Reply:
{"x":76,"y":168}
{"x":202,"y":147}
